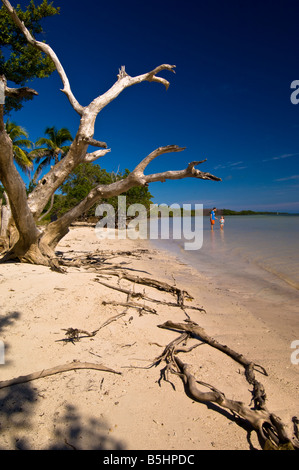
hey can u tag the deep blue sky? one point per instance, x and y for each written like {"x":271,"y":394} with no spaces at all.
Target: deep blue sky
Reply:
{"x":229,"y":100}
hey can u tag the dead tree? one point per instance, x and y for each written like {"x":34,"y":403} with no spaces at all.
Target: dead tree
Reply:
{"x":29,"y":243}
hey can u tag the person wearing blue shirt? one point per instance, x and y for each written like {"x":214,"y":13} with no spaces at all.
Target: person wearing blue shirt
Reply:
{"x":213,"y":217}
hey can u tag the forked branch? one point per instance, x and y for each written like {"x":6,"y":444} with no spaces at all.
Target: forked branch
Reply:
{"x":189,"y":172}
{"x":270,"y":429}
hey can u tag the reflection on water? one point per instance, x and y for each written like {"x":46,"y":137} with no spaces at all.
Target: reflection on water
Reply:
{"x":247,"y":245}
{"x":255,"y":258}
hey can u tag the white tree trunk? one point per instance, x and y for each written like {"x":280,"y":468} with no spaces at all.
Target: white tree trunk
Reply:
{"x":38,"y":247}
{"x":5,"y":216}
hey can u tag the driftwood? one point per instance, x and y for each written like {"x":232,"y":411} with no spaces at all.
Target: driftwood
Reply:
{"x":140,"y":295}
{"x":270,"y":429}
{"x":98,"y":258}
{"x":163,"y":286}
{"x":73,"y":334}
{"x":55,"y":370}
{"x":195,"y":330}
{"x":139,"y":307}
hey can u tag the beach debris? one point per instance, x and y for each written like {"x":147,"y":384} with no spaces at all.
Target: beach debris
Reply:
{"x":270,"y":430}
{"x":140,"y":308}
{"x":73,"y":334}
{"x":55,"y":370}
{"x":180,"y":295}
{"x":99,"y":259}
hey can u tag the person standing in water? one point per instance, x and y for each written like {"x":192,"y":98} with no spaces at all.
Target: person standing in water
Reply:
{"x":213,"y":217}
{"x":221,"y":221}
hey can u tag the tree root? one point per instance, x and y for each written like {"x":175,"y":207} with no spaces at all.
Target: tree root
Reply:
{"x":259,"y":395}
{"x":55,"y":370}
{"x":270,"y":430}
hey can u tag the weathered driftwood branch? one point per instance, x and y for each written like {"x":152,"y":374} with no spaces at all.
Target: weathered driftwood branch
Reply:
{"x":55,"y":370}
{"x":189,"y":172}
{"x":20,"y":92}
{"x":159,"y":285}
{"x":269,"y":427}
{"x":94,"y":142}
{"x":195,"y":330}
{"x":50,"y":208}
{"x":140,"y":307}
{"x":140,"y":295}
{"x":92,"y":157}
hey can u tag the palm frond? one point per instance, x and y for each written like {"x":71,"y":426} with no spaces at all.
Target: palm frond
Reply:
{"x":44,"y":141}
{"x":38,"y":154}
{"x":16,"y":134}
{"x":22,"y":160}
{"x":24,"y":143}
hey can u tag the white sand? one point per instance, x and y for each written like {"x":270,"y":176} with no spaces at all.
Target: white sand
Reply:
{"x":91,"y":409}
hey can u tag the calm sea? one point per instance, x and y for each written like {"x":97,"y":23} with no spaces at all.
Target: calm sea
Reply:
{"x":255,"y":256}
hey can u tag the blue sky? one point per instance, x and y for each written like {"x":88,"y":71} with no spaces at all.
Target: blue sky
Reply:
{"x":229,"y":101}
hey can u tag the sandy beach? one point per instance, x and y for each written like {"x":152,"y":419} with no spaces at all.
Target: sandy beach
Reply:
{"x":92,"y":409}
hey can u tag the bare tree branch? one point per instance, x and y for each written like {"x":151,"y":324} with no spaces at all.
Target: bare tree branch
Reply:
{"x":20,"y":92}
{"x":135,"y":178}
{"x":49,"y":183}
{"x":95,"y":143}
{"x":156,"y":153}
{"x":189,"y":172}
{"x":124,"y":81}
{"x":46,"y":50}
{"x":91,"y":157}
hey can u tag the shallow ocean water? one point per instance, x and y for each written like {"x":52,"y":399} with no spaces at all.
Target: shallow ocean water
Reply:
{"x":256,"y":257}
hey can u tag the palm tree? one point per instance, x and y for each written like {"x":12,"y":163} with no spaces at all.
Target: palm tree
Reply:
{"x":54,"y":148}
{"x":20,"y":142}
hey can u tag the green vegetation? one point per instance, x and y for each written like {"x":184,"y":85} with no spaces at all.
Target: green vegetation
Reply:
{"x":248,"y":212}
{"x":165,"y":210}
{"x":86,"y":177}
{"x":54,"y":148}
{"x":21,"y":143}
{"x":79,"y":183}
{"x":20,"y":62}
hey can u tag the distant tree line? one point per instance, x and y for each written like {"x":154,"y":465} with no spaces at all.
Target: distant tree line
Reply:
{"x":249,"y":212}
{"x":206,"y":212}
